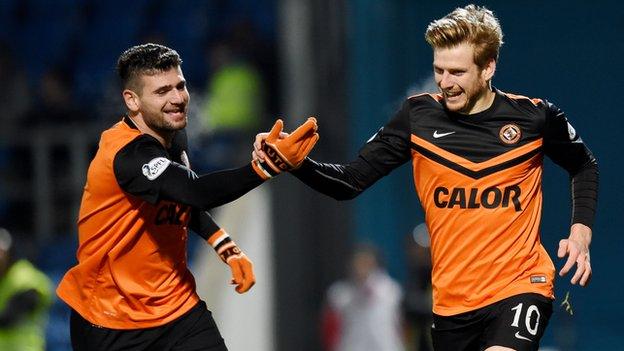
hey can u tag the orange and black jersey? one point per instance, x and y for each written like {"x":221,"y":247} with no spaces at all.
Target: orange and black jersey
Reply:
{"x":478,"y":178}
{"x":138,"y":203}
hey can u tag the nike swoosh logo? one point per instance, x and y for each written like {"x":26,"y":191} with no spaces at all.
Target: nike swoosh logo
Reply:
{"x":440,"y":135}
{"x":522,"y":337}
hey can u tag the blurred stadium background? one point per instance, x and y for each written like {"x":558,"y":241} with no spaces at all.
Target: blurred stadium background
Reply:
{"x":348,"y":62}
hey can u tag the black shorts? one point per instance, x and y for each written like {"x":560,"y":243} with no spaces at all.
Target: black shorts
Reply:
{"x":517,"y":322}
{"x":194,"y":330}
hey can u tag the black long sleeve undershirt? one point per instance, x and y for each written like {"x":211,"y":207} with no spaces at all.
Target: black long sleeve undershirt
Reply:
{"x":170,"y":180}
{"x":182,"y":185}
{"x":584,"y":190}
{"x":341,"y":182}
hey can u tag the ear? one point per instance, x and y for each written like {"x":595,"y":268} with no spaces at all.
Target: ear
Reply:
{"x":132,"y":100}
{"x":488,"y":70}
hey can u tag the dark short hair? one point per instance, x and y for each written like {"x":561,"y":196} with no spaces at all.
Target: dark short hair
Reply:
{"x":145,"y":59}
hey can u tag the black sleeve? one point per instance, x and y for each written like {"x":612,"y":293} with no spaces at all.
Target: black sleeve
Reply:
{"x":388,"y":149}
{"x":564,"y":146}
{"x":202,"y":223}
{"x":18,"y":306}
{"x":143,"y":168}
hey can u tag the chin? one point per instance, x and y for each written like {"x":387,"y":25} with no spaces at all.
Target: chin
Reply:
{"x":179,"y":125}
{"x":455,"y":107}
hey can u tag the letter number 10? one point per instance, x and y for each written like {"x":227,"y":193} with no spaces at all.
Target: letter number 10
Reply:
{"x":527,"y":319}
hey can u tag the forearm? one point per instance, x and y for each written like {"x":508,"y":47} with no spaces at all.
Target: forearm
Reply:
{"x":341,"y":182}
{"x":202,"y":223}
{"x":584,"y":192}
{"x":210,"y":190}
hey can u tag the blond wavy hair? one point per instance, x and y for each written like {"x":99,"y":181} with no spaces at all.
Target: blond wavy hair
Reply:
{"x":471,"y":24}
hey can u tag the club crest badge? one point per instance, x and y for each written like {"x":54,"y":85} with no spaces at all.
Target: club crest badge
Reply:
{"x":510,"y":134}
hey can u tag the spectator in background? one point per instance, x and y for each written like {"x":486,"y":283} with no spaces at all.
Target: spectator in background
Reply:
{"x":362,"y":313}
{"x":233,"y":105}
{"x":15,"y":100}
{"x":25,"y":296}
{"x":417,"y":301}
{"x":55,"y":103}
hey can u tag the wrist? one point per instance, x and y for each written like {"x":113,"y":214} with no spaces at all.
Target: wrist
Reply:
{"x":224,"y":246}
{"x":581,"y":233}
{"x":264,"y":170}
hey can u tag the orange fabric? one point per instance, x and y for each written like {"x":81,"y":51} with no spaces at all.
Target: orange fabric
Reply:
{"x":219,"y":234}
{"x":480,"y":253}
{"x":131,"y":271}
{"x":474,"y":166}
{"x":289,"y":152}
{"x":255,"y":164}
{"x":535,"y":101}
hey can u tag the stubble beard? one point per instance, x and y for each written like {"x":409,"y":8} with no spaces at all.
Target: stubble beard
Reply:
{"x":162,"y":125}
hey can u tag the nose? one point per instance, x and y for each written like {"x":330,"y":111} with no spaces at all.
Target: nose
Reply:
{"x":446,"y":82}
{"x":177,"y":97}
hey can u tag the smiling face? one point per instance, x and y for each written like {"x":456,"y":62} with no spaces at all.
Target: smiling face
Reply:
{"x":464,"y":85}
{"x":161,"y":100}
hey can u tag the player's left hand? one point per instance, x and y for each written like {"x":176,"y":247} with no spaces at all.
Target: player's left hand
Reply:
{"x":576,"y":247}
{"x":242,"y":267}
{"x":242,"y":272}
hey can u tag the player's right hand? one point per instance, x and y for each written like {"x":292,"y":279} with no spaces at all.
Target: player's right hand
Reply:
{"x":276,"y":151}
{"x":576,"y":247}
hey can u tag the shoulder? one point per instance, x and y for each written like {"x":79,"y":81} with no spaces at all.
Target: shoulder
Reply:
{"x":142,"y":155}
{"x":527,"y":103}
{"x":119,"y":133}
{"x":424,"y":101}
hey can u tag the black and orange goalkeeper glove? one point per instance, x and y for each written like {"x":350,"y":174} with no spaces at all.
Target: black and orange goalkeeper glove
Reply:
{"x":242,"y":267}
{"x":287,"y":153}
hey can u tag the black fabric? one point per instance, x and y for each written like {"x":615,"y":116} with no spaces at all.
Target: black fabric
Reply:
{"x":584,"y":188}
{"x":194,"y":331}
{"x":504,"y":323}
{"x":175,"y":181}
{"x":202,"y":223}
{"x":342,"y":182}
{"x":476,"y":138}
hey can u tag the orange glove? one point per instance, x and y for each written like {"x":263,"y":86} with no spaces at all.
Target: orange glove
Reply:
{"x":242,"y":267}
{"x":287,"y":153}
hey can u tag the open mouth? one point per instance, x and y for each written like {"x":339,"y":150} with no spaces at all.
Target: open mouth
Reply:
{"x":452,"y":94}
{"x":176,"y":114}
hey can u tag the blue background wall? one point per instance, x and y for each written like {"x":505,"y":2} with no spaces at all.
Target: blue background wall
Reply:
{"x":567,"y":52}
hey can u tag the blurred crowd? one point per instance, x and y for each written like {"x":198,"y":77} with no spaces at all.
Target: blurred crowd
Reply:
{"x":57,"y":64}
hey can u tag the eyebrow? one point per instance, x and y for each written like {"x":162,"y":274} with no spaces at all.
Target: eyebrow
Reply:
{"x":454,"y":69}
{"x":168,"y":87}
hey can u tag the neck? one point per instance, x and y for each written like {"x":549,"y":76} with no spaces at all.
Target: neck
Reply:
{"x":484,"y":102}
{"x":163,"y":137}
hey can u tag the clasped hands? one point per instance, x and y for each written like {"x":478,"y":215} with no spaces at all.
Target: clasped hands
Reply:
{"x":278,"y":151}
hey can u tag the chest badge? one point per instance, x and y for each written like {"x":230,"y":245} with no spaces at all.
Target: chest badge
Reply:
{"x":510,"y":134}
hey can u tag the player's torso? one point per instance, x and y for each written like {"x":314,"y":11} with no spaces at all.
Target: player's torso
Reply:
{"x":131,"y":252}
{"x":478,"y":178}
